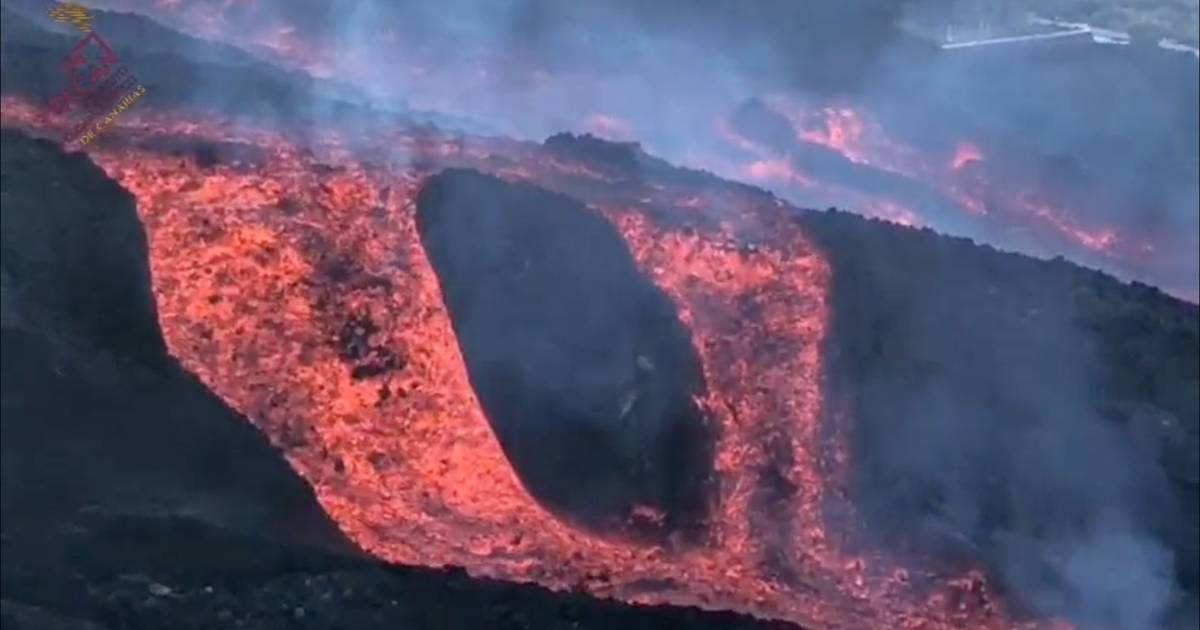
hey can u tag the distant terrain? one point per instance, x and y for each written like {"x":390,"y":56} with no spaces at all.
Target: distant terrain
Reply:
{"x":1149,"y":19}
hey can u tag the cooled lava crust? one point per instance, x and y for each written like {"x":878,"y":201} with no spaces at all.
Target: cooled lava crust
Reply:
{"x":581,"y":364}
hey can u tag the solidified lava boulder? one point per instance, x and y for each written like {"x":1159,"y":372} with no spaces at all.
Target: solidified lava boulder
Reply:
{"x":97,"y":417}
{"x":580,"y":362}
{"x":84,"y":265}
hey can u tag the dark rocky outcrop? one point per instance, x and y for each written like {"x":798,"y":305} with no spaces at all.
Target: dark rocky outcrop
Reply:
{"x":83,"y":267}
{"x":1035,"y":414}
{"x":580,"y":362}
{"x":95,"y":410}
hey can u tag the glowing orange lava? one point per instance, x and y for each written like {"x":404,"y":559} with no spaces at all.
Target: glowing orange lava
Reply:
{"x":260,"y":266}
{"x":965,"y":153}
{"x":1099,"y":239}
{"x":842,"y":131}
{"x":962,"y":179}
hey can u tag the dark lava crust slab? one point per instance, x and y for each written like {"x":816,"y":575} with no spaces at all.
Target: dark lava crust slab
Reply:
{"x":580,"y":362}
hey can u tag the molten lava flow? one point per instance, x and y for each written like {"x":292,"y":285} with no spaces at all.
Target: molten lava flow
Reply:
{"x":1102,"y":239}
{"x":964,"y":179}
{"x":852,"y":133}
{"x":293,"y":282}
{"x":964,"y":154}
{"x":842,"y":130}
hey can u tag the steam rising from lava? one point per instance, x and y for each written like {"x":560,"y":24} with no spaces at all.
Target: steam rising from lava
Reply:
{"x":1110,"y":182}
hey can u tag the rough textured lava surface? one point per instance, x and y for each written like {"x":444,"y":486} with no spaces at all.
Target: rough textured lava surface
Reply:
{"x":573,"y":364}
{"x":134,"y":498}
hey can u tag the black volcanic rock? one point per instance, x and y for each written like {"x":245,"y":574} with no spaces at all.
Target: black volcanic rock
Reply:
{"x":96,"y":413}
{"x":1038,"y":416}
{"x":150,"y":573}
{"x":580,"y":362}
{"x":83,"y":266}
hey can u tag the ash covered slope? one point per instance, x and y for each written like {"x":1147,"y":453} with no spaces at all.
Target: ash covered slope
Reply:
{"x":1034,"y":414}
{"x":134,"y":498}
